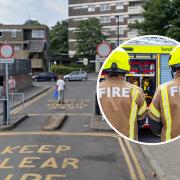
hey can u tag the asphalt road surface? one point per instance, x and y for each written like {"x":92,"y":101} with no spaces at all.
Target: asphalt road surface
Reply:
{"x":75,"y":152}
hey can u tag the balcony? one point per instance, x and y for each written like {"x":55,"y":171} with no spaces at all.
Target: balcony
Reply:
{"x":132,"y":34}
{"x":37,"y":63}
{"x":24,"y":54}
{"x":135,"y":19}
{"x":135,"y":10}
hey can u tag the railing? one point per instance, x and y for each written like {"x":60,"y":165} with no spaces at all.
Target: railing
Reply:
{"x":16,"y":107}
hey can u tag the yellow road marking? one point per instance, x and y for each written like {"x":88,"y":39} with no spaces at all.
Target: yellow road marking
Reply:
{"x":127,"y":159}
{"x":126,"y":156}
{"x":113,"y":135}
{"x":5,"y":133}
{"x":68,"y":114}
{"x":134,"y":158}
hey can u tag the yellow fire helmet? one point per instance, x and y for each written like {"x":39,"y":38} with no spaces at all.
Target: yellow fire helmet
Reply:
{"x":117,"y":61}
{"x":174,"y":59}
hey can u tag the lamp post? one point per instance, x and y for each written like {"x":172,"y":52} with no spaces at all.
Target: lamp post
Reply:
{"x":117,"y":17}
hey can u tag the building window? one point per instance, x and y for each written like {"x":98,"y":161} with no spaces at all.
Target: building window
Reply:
{"x":91,"y":8}
{"x":106,"y":31}
{"x":38,"y":34}
{"x":17,"y":48}
{"x":105,"y":7}
{"x":13,"y":34}
{"x":131,"y":4}
{"x":1,"y":33}
{"x":105,"y":19}
{"x":119,"y":5}
{"x":121,"y":19}
{"x":121,"y":31}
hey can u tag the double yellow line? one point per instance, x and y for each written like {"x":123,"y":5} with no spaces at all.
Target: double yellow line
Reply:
{"x":131,"y":159}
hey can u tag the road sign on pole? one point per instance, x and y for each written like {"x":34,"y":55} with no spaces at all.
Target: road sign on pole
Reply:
{"x":6,"y":57}
{"x":6,"y":54}
{"x":103,"y":49}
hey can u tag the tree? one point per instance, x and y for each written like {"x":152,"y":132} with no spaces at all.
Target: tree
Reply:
{"x":174,"y":25}
{"x":88,"y":36}
{"x":161,"y":17}
{"x":59,"y":37}
{"x":32,"y":22}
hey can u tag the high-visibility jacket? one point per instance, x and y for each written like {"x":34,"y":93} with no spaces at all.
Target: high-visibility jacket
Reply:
{"x":165,"y":108}
{"x":123,"y":104}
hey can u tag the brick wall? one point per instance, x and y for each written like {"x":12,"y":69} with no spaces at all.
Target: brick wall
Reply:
{"x":23,"y":81}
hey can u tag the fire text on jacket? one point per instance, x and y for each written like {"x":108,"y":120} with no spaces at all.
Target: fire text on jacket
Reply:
{"x":114,"y":92}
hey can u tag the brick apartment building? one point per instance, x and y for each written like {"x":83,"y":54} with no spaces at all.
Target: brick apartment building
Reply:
{"x":108,"y":12}
{"x":31,"y":44}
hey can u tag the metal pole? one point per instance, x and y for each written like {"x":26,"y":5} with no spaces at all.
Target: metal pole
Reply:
{"x":118,"y":30}
{"x":7,"y":93}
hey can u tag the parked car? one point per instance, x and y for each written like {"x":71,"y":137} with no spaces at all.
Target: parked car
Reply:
{"x":76,"y":76}
{"x":47,"y":76}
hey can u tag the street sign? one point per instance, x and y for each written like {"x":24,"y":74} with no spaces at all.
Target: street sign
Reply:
{"x":6,"y":57}
{"x":6,"y":61}
{"x":103,"y":49}
{"x":6,"y":54}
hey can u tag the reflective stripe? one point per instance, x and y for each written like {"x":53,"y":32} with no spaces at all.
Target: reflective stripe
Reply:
{"x":133,"y":114}
{"x":167,"y":113}
{"x":142,"y":109}
{"x":154,"y":111}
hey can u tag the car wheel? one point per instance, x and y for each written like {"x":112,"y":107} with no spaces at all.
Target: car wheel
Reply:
{"x":66,"y":79}
{"x":83,"y":79}
{"x":35,"y":80}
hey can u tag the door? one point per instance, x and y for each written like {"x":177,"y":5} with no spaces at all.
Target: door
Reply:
{"x":74,"y":75}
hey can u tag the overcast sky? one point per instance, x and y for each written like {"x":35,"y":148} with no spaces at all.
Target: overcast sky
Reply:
{"x":45,"y":11}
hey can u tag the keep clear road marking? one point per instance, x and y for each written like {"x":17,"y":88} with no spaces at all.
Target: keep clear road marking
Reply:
{"x":127,"y":156}
{"x":124,"y":150}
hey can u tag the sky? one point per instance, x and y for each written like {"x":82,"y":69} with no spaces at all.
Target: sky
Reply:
{"x":45,"y":11}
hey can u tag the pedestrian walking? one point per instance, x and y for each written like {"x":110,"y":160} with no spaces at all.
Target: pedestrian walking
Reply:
{"x":165,"y":107}
{"x":61,"y":88}
{"x":122,"y":103}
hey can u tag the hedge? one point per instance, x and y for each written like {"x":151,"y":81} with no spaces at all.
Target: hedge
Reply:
{"x":61,"y":69}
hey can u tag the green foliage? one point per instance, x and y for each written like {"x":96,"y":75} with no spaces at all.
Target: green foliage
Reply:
{"x":61,"y":69}
{"x":59,"y":37}
{"x":89,"y":35}
{"x":32,"y":22}
{"x":161,"y":17}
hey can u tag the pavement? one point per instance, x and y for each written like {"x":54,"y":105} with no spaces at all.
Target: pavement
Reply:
{"x":164,"y":159}
{"x":85,"y":147}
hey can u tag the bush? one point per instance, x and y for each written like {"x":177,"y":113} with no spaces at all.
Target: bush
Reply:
{"x":61,"y":69}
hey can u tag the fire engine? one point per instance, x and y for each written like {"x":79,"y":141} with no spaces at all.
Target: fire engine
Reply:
{"x":149,"y":67}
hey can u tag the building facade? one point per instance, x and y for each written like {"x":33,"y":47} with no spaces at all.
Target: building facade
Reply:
{"x":109,"y":12}
{"x":30,"y":44}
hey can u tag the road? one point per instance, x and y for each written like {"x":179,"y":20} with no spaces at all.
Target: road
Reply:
{"x":75,"y":152}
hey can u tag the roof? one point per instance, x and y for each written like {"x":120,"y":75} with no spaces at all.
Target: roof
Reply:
{"x":14,"y":26}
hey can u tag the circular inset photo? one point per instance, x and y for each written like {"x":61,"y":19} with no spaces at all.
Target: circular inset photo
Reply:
{"x":138,"y":90}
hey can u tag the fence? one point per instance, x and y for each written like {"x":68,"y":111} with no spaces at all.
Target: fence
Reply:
{"x":16,"y":106}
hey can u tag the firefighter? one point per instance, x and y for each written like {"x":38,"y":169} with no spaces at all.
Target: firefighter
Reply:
{"x":165,"y":107}
{"x":122,"y":103}
{"x":135,"y":82}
